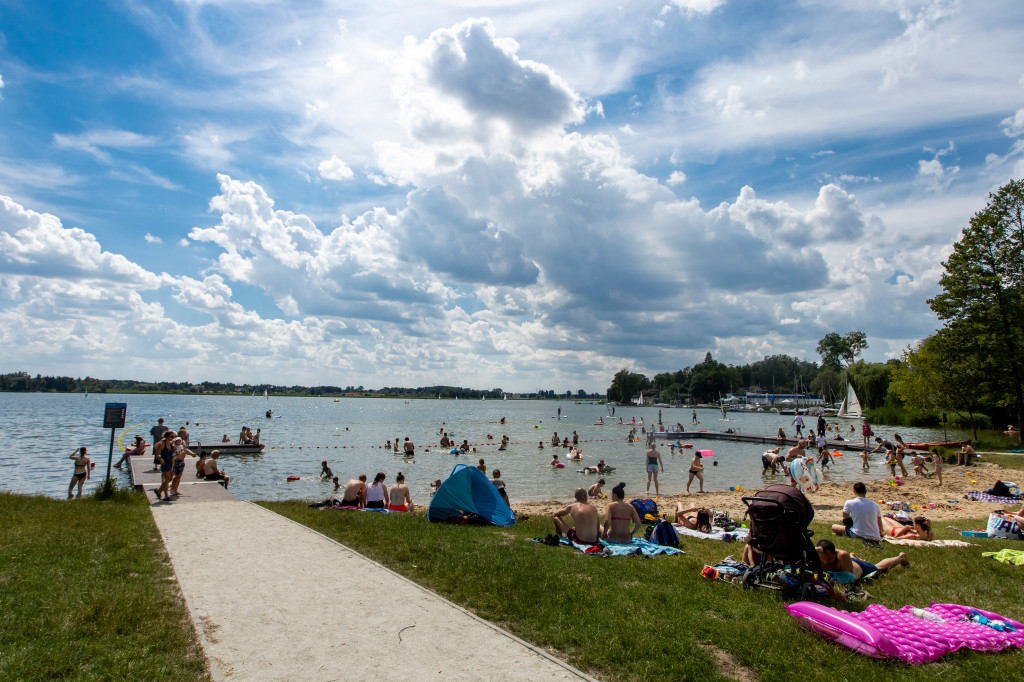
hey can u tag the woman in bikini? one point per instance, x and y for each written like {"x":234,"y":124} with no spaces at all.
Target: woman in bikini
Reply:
{"x":699,"y":521}
{"x":696,"y":471}
{"x":921,"y":530}
{"x":401,"y":498}
{"x":82,"y":471}
{"x":621,"y":521}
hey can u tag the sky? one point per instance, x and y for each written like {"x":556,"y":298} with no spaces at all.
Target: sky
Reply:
{"x":524,"y":195}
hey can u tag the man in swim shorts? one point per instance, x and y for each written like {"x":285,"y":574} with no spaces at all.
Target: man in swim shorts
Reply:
{"x":586,"y":527}
{"x":862,"y":518}
{"x":771,"y":459}
{"x":837,"y":560}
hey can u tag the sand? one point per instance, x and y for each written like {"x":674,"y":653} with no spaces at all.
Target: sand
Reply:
{"x":828,"y":500}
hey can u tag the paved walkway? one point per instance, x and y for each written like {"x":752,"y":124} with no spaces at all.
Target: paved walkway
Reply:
{"x":274,"y":600}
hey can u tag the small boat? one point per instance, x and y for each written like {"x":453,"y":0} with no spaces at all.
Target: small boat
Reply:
{"x":929,"y":446}
{"x":850,"y":409}
{"x":226,"y":448}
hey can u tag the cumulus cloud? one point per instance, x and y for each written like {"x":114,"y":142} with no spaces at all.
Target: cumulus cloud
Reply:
{"x":335,"y":169}
{"x":1013,"y":126}
{"x":676,"y":178}
{"x":933,"y":175}
{"x":37,"y":245}
{"x":153,"y":239}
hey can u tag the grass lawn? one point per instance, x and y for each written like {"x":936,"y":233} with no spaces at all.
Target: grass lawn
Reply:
{"x":644,"y":619}
{"x":87,"y":592}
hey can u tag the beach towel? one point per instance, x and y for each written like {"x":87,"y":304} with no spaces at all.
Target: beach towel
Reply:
{"x":928,"y":543}
{"x":1007,"y":556}
{"x":605,"y":548}
{"x":985,"y":497}
{"x":740,"y":534}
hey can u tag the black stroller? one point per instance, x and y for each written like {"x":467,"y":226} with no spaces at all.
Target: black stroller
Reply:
{"x":779,"y":516}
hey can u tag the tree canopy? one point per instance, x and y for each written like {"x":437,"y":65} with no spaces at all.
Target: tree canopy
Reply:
{"x":835,"y":349}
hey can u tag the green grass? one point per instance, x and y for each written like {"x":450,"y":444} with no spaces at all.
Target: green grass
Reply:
{"x":87,"y":592}
{"x":643,"y":619}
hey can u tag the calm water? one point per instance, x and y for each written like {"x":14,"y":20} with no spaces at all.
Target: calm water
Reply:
{"x":40,"y":430}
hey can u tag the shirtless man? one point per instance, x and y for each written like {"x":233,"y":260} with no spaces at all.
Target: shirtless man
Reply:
{"x":586,"y":527}
{"x":796,"y":451}
{"x":355,"y":492}
{"x":833,"y":559}
{"x":82,"y":470}
{"x":212,"y":472}
{"x":408,"y":446}
{"x":771,"y":459}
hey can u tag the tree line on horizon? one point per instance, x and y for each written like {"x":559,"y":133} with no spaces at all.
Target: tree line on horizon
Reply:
{"x":23,"y":382}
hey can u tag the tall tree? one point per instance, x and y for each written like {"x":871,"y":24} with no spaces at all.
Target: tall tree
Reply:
{"x":835,"y":349}
{"x":983,"y":291}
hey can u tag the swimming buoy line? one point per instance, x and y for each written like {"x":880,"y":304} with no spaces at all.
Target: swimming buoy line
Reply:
{"x":440,"y":449}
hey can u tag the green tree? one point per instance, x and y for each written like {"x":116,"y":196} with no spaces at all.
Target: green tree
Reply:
{"x":983,"y":293}
{"x":627,"y":385}
{"x":940,"y":373}
{"x":835,"y":349}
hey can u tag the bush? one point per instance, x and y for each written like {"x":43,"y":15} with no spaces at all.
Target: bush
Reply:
{"x":983,"y":422}
{"x":110,"y":489}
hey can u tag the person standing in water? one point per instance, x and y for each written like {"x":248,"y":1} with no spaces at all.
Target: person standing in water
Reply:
{"x":654,"y":465}
{"x":82,"y":470}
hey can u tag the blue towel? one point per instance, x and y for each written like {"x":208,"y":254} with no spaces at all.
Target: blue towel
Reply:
{"x":637,"y":547}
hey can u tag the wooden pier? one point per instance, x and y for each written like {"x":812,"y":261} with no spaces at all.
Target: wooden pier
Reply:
{"x":770,"y":441}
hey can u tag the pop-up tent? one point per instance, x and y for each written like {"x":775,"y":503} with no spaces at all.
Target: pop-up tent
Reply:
{"x":467,"y":490}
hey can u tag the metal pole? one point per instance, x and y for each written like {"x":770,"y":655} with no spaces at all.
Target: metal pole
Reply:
{"x":110,"y":455}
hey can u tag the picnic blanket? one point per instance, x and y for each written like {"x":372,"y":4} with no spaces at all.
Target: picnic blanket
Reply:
{"x":740,"y":534}
{"x":978,"y":496}
{"x":605,"y":548}
{"x":928,"y":543}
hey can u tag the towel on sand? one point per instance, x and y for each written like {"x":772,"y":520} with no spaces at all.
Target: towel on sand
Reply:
{"x":739,"y":534}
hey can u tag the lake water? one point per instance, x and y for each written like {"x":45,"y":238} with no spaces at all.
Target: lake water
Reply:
{"x":40,"y":430}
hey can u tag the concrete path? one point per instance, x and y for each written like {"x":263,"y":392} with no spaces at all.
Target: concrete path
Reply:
{"x":274,"y":600}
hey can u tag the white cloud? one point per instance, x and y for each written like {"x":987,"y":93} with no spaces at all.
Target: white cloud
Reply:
{"x":693,"y":8}
{"x":1013,"y":126}
{"x":98,"y":141}
{"x":933,"y":175}
{"x":153,"y":239}
{"x":335,"y":169}
{"x":676,"y":178}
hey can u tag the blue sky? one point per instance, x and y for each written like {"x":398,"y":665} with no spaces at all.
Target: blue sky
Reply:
{"x":515,"y":194}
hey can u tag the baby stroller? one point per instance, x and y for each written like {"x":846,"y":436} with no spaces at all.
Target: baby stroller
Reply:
{"x":779,"y":516}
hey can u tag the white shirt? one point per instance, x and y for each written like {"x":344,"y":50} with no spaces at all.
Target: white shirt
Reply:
{"x":864,"y":513}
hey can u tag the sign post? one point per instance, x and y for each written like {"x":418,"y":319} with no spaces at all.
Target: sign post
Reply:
{"x":945,"y":438}
{"x":113,"y":419}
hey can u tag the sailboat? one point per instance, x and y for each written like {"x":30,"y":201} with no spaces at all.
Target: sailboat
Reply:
{"x":639,"y":401}
{"x":850,"y":409}
{"x":265,"y":394}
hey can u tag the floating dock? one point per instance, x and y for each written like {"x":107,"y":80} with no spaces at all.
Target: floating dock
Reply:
{"x":769,"y":440}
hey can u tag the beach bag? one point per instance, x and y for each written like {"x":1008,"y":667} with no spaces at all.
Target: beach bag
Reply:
{"x":644,"y":507}
{"x":998,"y":527}
{"x":662,"y":533}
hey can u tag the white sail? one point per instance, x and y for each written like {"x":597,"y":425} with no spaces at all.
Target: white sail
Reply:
{"x":851,"y":405}
{"x":640,"y":400}
{"x":265,"y":394}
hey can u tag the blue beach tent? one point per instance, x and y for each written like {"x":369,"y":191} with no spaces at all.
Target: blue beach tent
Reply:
{"x":467,"y":490}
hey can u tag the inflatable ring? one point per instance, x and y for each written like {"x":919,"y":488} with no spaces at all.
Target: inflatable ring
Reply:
{"x":292,"y":478}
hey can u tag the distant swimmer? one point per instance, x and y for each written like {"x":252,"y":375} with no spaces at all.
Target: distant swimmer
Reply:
{"x":270,"y":414}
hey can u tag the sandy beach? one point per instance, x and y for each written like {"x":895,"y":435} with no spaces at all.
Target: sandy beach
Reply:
{"x":828,"y":500}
